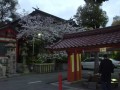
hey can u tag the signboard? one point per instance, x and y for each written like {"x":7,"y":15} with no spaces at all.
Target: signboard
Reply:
{"x":102,"y":49}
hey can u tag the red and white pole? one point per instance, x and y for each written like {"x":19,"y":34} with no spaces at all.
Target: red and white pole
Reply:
{"x":60,"y":81}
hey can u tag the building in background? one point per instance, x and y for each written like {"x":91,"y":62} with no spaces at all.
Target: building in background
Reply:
{"x":8,"y":50}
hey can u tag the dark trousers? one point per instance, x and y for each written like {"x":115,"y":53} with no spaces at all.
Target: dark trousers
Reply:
{"x":106,"y":85}
{"x":106,"y":81}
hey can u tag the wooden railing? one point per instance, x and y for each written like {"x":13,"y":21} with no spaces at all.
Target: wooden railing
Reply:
{"x":43,"y":68}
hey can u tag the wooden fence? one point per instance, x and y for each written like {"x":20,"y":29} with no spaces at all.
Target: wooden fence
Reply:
{"x":44,"y":68}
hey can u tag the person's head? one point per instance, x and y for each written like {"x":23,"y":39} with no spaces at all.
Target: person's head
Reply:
{"x":105,"y":56}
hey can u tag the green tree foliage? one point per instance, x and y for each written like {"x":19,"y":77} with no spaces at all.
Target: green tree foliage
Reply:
{"x":115,"y":55}
{"x":91,"y":15}
{"x":8,"y":10}
{"x":116,"y":20}
{"x":98,"y":1}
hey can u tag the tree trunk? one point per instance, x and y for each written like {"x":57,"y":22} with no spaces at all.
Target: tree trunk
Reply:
{"x":96,"y":64}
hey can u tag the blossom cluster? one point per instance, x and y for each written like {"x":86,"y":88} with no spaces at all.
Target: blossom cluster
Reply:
{"x":47,"y":27}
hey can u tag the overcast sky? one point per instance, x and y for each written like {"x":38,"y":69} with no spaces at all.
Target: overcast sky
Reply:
{"x":66,"y":9}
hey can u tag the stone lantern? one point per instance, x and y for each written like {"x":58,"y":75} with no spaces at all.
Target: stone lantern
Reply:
{"x":11,"y":60}
{"x":24,"y":54}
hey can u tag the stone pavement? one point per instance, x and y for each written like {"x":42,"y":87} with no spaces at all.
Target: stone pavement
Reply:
{"x":70,"y":86}
{"x":82,"y":85}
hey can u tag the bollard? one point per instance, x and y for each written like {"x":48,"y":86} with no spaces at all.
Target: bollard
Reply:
{"x":60,"y":81}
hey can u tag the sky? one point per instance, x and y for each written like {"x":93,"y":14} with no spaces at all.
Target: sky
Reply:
{"x":66,"y":9}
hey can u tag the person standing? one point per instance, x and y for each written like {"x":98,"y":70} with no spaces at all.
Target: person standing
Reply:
{"x":106,"y":67}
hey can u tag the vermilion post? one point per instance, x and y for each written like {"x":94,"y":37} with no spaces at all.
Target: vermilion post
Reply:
{"x":75,"y":66}
{"x":69,"y":69}
{"x":60,"y":81}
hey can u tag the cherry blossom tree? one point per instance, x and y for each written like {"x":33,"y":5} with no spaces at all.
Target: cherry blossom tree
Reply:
{"x":48,"y":27}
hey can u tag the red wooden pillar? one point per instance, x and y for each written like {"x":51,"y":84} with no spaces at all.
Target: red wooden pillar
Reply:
{"x":78,"y":69}
{"x":74,"y":66}
{"x":69,"y":68}
{"x":80,"y":66}
{"x":70,"y":73}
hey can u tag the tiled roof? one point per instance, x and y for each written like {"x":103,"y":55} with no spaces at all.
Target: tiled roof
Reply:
{"x":94,"y":38}
{"x":37,"y":11}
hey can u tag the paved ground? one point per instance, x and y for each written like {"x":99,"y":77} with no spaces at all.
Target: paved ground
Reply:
{"x":45,"y":82}
{"x":82,"y":85}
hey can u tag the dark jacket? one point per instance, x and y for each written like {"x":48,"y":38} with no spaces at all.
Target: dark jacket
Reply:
{"x":106,"y":68}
